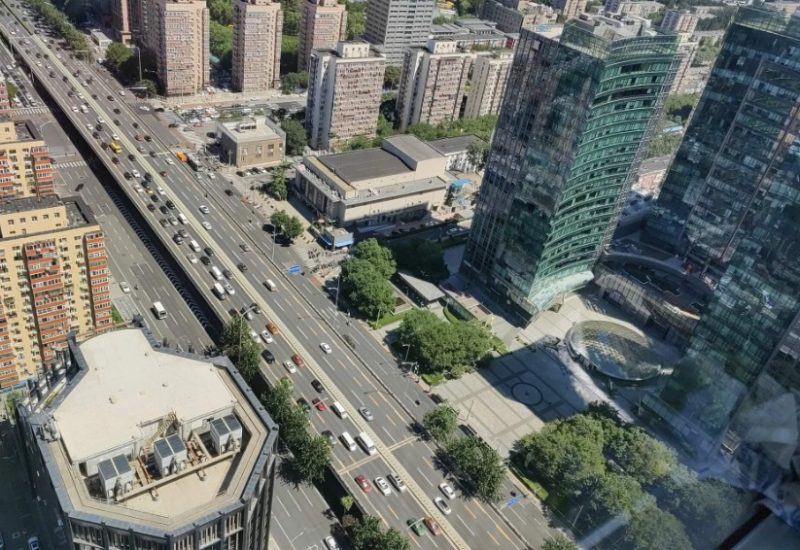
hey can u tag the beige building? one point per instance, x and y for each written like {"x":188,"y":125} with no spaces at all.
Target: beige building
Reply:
{"x":25,"y":167}
{"x":641,"y":8}
{"x":344,"y":93}
{"x":323,"y":23}
{"x":178,"y":35}
{"x":54,"y":278}
{"x":682,"y":21}
{"x":432,"y":84}
{"x":402,"y":180}
{"x":512,"y":15}
{"x":257,"y":31}
{"x":5,"y":101}
{"x":251,"y":142}
{"x":121,"y":20}
{"x":570,"y":8}
{"x":488,"y":83}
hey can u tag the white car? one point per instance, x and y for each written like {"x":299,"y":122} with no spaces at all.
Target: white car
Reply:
{"x":170,"y":161}
{"x":115,"y":137}
{"x":74,"y":109}
{"x":229,"y":289}
{"x":267,"y":337}
{"x":89,"y":126}
{"x":289,"y":366}
{"x":383,"y":486}
{"x":326,"y":348}
{"x":448,"y":490}
{"x":206,"y":225}
{"x":125,"y":287}
{"x":100,"y":120}
{"x":211,"y":176}
{"x":331,"y":543}
{"x":136,"y":173}
{"x":254,"y":335}
{"x":192,"y":258}
{"x":122,"y":92}
{"x":160,"y":190}
{"x":144,"y":108}
{"x":442,"y":505}
{"x":204,"y":209}
{"x":138,"y":188}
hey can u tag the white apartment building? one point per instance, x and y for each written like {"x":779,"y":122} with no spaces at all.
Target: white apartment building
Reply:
{"x":488,"y":83}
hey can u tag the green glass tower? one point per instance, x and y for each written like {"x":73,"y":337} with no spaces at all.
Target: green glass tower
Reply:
{"x":578,"y":111}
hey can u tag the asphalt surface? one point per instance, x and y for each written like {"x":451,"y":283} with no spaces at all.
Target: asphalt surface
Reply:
{"x":369,"y":377}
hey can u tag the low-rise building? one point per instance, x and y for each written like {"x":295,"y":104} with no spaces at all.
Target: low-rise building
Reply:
{"x":101,"y":40}
{"x":55,"y":280}
{"x":469,"y":34}
{"x":641,"y":8}
{"x":402,"y":180}
{"x":251,"y":142}
{"x":146,"y":448}
{"x":457,"y":151}
{"x":25,"y":167}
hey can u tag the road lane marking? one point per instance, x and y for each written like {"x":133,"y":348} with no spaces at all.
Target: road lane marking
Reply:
{"x":424,"y":476}
{"x":389,"y":506}
{"x":466,"y":526}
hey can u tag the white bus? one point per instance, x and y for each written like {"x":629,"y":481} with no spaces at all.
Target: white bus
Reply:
{"x":159,"y":310}
{"x":366,"y":443}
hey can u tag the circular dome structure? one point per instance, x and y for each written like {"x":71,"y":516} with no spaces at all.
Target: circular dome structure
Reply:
{"x":613,"y":350}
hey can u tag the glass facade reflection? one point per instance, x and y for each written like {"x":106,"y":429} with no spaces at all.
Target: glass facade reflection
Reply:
{"x":577,"y":113}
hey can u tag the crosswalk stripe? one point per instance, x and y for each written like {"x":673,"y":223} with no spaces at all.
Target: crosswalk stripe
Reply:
{"x":71,"y":164}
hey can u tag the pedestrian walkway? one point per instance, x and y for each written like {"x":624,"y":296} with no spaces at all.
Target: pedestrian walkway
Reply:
{"x":71,"y":164}
{"x":30,"y":111}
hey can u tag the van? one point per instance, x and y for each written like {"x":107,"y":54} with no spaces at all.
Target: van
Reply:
{"x":159,"y":310}
{"x":366,"y":444}
{"x":216,"y":273}
{"x":84,"y":109}
{"x":182,"y":218}
{"x":339,"y":410}
{"x":270,"y":285}
{"x":219,"y":291}
{"x":194,"y":246}
{"x":347,"y":441}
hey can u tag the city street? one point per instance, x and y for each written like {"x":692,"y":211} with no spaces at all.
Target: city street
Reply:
{"x":306,"y":317}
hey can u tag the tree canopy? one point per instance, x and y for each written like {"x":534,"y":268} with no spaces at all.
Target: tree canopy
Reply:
{"x":366,"y":289}
{"x":559,"y":542}
{"x":391,"y":77}
{"x":481,"y":127}
{"x":220,"y":39}
{"x":441,"y":422}
{"x":296,"y":139}
{"x":276,"y":186}
{"x":289,"y":226}
{"x":220,"y":11}
{"x":368,"y":534}
{"x":378,"y":255}
{"x":117,"y":53}
{"x":294,"y":82}
{"x":356,"y":18}
{"x":239,"y":346}
{"x":480,"y":464}
{"x":422,"y":258}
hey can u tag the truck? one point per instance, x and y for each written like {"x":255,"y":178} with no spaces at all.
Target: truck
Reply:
{"x":116,"y":147}
{"x":183,"y":157}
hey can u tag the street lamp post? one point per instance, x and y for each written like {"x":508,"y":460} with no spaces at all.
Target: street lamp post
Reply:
{"x":408,"y":348}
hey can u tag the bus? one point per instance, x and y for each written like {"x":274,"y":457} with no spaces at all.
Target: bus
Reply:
{"x":116,"y":147}
{"x":366,"y":443}
{"x":159,"y":310}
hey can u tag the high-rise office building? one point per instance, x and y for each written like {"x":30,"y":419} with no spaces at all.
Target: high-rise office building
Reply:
{"x":55,"y":279}
{"x":577,"y":115}
{"x":432,"y":84}
{"x":394,"y":25}
{"x":178,"y":35}
{"x":488,"y":83}
{"x":731,"y":201}
{"x":257,"y":31}
{"x":344,"y":93}
{"x":323,"y":23}
{"x":25,"y":167}
{"x":121,"y":20}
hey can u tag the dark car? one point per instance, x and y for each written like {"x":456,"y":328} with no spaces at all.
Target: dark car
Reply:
{"x":170,"y":204}
{"x":116,"y":111}
{"x":268,"y":356}
{"x":205,"y":260}
{"x":155,"y":197}
{"x":208,"y":251}
{"x":115,"y":160}
{"x":317,"y":385}
{"x":163,"y":222}
{"x":79,"y":187}
{"x":127,"y":175}
{"x":151,"y":207}
{"x":131,"y":157}
{"x":148,"y":176}
{"x":228,"y":192}
{"x":147,"y":137}
{"x":110,"y":97}
{"x":227,"y":273}
{"x":162,"y":173}
{"x":164,"y":209}
{"x":135,"y":125}
{"x":242,"y":267}
{"x":183,"y":233}
{"x":153,"y":154}
{"x":95,"y":135}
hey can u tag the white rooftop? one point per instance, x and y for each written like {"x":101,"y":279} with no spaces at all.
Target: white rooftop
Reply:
{"x":127,"y":383}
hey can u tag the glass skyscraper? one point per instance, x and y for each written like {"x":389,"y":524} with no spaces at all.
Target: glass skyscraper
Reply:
{"x":577,"y":114}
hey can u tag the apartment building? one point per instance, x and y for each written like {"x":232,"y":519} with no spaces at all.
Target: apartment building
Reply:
{"x":5,"y":101}
{"x":679,"y":21}
{"x":570,"y":8}
{"x":323,"y":23}
{"x":344,"y":93}
{"x":139,"y":16}
{"x":257,"y":31}
{"x":25,"y":167}
{"x":178,"y":35}
{"x":53,"y":279}
{"x":121,"y":20}
{"x":641,"y":8}
{"x":394,"y":25}
{"x":512,"y":15}
{"x":432,"y":84}
{"x":488,"y":83}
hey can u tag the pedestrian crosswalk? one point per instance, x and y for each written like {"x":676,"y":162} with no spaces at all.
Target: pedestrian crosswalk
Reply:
{"x":30,"y":111}
{"x":71,"y":164}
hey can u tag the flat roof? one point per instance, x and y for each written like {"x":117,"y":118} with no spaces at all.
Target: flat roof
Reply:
{"x":250,"y":129}
{"x":364,"y":164}
{"x":455,"y":144}
{"x":128,"y":383}
{"x":413,"y":147}
{"x":429,"y":291}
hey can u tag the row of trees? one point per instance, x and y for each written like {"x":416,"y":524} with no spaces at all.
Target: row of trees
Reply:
{"x":477,"y":463}
{"x":441,"y":346}
{"x":284,"y":224}
{"x":120,"y":59}
{"x":365,"y":279}
{"x":481,"y":127}
{"x":58,"y":20}
{"x":368,"y":534}
{"x":277,"y":187}
{"x":598,"y":468}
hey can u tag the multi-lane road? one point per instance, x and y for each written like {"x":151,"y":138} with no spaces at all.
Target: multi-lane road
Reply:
{"x":367,"y":376}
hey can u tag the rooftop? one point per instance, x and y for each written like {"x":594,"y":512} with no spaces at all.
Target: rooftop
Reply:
{"x":447,"y":146}
{"x":78,"y":212}
{"x":251,"y":129}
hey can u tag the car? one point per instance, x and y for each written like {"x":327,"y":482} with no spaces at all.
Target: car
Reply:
{"x":204,"y":209}
{"x":183,"y":233}
{"x":366,"y":413}
{"x":317,"y":385}
{"x":125,"y":287}
{"x":228,"y":288}
{"x":151,"y":207}
{"x":448,"y":490}
{"x":331,"y":543}
{"x":253,"y":334}
{"x":136,"y":174}
{"x":418,"y":526}
{"x":298,"y":360}
{"x":272,"y":328}
{"x":205,"y":260}
{"x":398,"y":483}
{"x":170,"y":161}
{"x":206,"y":225}
{"x":154,"y":197}
{"x":327,"y":434}
{"x":153,"y":154}
{"x":383,"y":486}
{"x":319,"y":404}
{"x":433,"y":526}
{"x":131,"y":157}
{"x":363,"y":482}
{"x":268,"y":356}
{"x":208,"y":251}
{"x":303,"y":404}
{"x":228,"y":274}
{"x":229,"y":192}
{"x":289,"y":366}
{"x":162,"y":173}
{"x":326,"y":347}
{"x":172,"y":220}
{"x":192,"y":258}
{"x":242,"y":267}
{"x":170,"y":204}
{"x":147,"y":138}
{"x":115,"y":160}
{"x":267,"y":337}
{"x":177,"y":238}
{"x":163,"y":209}
{"x":442,"y":505}
{"x":33,"y":543}
{"x":116,"y":111}
{"x":244,"y":247}
{"x":160,"y":190}
{"x":163,"y":222}
{"x":127,"y":175}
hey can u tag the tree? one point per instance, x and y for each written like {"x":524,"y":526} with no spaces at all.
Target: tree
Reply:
{"x":423,"y":258}
{"x":605,"y":495}
{"x":220,"y":11}
{"x":291,"y":16}
{"x":480,"y":463}
{"x":604,"y":409}
{"x":368,"y":534}
{"x":391,"y":77}
{"x":378,"y":255}
{"x":276,"y":187}
{"x":117,"y":53}
{"x":441,"y":422}
{"x":278,"y":400}
{"x":294,"y":82}
{"x":290,"y":226}
{"x":220,"y":39}
{"x":347,"y":502}
{"x":295,"y":137}
{"x":639,"y":455}
{"x":356,"y":18}
{"x":653,"y":529}
{"x":280,"y":219}
{"x":312,"y":456}
{"x":467,"y":7}
{"x":239,"y":346}
{"x":150,"y":88}
{"x":358,"y":142}
{"x":366,"y":289}
{"x":477,"y":153}
{"x":559,"y":542}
